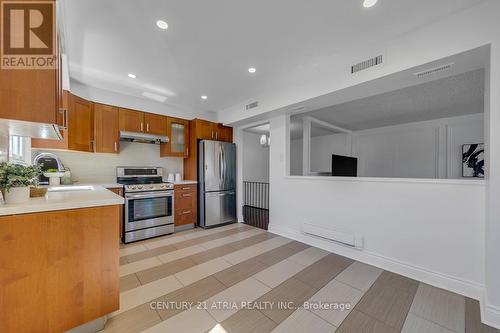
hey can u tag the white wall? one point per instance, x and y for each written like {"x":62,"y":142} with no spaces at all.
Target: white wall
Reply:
{"x":428,"y":149}
{"x":255,"y":159}
{"x":92,"y":167}
{"x":322,"y":148}
{"x":429,"y":230}
{"x":4,"y":147}
{"x":445,"y":206}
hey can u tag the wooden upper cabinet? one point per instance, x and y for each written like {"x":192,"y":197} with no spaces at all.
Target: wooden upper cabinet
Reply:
{"x":155,"y":124}
{"x":31,"y":94}
{"x":178,"y":134}
{"x":224,"y":133}
{"x":204,"y":129}
{"x":28,"y":95}
{"x":107,"y":129}
{"x":80,"y":124}
{"x":131,"y":121}
{"x":56,"y":144}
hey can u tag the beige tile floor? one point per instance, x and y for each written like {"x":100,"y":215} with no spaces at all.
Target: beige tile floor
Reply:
{"x":240,"y":279}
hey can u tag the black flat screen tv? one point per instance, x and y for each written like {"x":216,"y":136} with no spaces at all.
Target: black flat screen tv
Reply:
{"x":344,"y":166}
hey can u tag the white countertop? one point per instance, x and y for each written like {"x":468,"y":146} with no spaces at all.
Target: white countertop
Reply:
{"x":186,"y":182}
{"x":105,"y":185}
{"x":98,"y":196}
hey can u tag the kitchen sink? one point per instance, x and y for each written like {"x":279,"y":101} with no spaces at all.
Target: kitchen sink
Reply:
{"x":71,"y":188}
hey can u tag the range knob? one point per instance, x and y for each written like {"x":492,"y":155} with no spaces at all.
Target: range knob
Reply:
{"x":151,"y":187}
{"x":139,"y":187}
{"x":163,"y":186}
{"x":133,"y":187}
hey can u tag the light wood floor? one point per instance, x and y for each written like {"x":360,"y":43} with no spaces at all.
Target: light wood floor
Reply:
{"x":242,"y":279}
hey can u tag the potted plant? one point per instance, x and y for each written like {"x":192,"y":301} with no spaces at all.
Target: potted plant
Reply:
{"x":15,"y":181}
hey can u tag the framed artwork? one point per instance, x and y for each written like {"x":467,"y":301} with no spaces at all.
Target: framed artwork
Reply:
{"x":473,"y":160}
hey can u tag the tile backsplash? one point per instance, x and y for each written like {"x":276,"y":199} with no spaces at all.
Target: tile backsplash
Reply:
{"x":94,"y":167}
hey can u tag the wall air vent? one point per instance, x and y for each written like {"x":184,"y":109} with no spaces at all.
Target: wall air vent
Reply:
{"x":366,"y":64}
{"x":252,"y":105}
{"x":434,"y":70}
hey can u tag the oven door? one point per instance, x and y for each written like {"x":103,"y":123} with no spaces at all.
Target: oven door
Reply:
{"x":148,"y":209}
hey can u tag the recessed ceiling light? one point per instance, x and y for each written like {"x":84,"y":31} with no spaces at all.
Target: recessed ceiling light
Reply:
{"x":162,"y":24}
{"x":132,"y":76}
{"x":369,"y":3}
{"x":204,"y":96}
{"x":252,"y":70}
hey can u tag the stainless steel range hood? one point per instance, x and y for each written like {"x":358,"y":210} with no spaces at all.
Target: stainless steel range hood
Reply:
{"x":143,"y":137}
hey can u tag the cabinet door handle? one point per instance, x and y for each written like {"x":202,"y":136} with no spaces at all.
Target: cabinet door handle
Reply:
{"x":116,"y":146}
{"x":186,"y":188}
{"x":216,"y":135}
{"x":142,"y":127}
{"x":147,"y":127}
{"x":64,"y":112}
{"x":186,"y":195}
{"x":187,"y":212}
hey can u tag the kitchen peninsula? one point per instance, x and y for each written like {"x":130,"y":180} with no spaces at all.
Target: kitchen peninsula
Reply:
{"x":62,"y":270}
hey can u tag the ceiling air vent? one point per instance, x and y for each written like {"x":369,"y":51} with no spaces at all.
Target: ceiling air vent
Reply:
{"x":251,"y":105}
{"x":434,"y":70}
{"x":366,"y":64}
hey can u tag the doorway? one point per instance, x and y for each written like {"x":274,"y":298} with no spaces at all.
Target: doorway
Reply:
{"x":255,"y":176}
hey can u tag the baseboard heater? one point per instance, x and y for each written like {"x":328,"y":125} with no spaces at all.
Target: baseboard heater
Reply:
{"x":341,"y":237}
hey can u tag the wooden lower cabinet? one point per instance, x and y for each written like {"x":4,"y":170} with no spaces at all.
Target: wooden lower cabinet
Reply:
{"x":59,"y":269}
{"x":185,"y":204}
{"x":119,"y":191}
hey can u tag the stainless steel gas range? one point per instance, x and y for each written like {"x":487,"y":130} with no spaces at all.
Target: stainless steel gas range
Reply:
{"x":149,"y":203}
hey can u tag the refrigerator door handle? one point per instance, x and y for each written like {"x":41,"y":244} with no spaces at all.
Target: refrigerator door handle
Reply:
{"x":223,"y":167}
{"x":221,"y":174}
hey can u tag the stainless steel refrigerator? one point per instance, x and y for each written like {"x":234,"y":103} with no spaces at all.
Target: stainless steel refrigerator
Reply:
{"x":217,"y":183}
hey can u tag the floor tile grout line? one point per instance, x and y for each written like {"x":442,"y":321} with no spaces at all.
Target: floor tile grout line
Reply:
{"x":193,"y":245}
{"x":428,"y":320}
{"x":182,"y":285}
{"x":293,"y":277}
{"x":317,"y":316}
{"x":194,"y":254}
{"x":233,"y":231}
{"x":378,"y":319}
{"x":182,"y":238}
{"x":184,"y":258}
{"x":431,"y":321}
{"x":189,"y":255}
{"x":213,"y":275}
{"x":257,"y":280}
{"x":317,"y":291}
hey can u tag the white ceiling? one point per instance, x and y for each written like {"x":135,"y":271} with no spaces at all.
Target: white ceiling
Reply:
{"x":447,"y":97}
{"x":259,"y":129}
{"x":210,"y":44}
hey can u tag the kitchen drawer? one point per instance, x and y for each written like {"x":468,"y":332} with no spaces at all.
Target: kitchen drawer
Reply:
{"x":185,"y":200}
{"x":185,"y":187}
{"x":185,"y":216}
